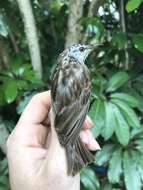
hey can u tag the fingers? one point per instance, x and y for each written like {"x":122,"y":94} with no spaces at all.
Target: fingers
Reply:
{"x":88,"y":139}
{"x":87,"y":136}
{"x":87,"y":123}
{"x":31,"y":131}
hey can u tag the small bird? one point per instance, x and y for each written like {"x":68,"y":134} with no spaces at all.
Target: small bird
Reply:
{"x":70,"y":93}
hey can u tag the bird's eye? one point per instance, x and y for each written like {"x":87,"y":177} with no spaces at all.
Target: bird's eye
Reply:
{"x":81,"y":49}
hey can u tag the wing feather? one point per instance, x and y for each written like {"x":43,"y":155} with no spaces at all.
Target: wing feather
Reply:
{"x":70,"y":99}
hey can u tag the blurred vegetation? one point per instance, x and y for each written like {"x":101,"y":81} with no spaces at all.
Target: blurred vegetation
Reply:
{"x":117,"y":81}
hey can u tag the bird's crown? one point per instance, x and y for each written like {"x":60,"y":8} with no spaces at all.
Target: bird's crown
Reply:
{"x":78,"y":51}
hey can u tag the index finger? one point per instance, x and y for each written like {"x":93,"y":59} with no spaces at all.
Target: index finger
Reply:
{"x":37,"y":109}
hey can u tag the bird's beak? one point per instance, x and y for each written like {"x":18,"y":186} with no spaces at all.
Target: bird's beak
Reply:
{"x":93,"y":46}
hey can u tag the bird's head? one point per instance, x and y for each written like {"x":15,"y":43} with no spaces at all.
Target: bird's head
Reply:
{"x":80,"y":51}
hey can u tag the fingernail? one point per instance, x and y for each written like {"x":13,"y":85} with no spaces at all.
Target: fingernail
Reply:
{"x":89,"y":120}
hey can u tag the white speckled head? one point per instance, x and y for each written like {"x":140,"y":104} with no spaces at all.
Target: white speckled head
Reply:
{"x":79,"y":52}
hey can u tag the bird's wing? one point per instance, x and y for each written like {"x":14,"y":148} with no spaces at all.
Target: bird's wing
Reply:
{"x":70,"y":100}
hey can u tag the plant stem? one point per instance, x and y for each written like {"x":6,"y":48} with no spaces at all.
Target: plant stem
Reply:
{"x":124,"y":30}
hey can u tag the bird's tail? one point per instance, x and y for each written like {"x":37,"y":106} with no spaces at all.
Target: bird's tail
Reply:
{"x":78,"y":156}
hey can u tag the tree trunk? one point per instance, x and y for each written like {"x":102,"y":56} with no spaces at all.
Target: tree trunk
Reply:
{"x":74,"y":27}
{"x":123,"y":27}
{"x":31,"y":35}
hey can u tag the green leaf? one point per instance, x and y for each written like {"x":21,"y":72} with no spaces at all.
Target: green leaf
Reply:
{"x":110,"y":124}
{"x":115,"y":166}
{"x":138,"y":41}
{"x":22,"y":85}
{"x":130,"y":100}
{"x":138,"y":97}
{"x":136,"y":133}
{"x":116,"y":81}
{"x":129,"y":114}
{"x":17,"y":66}
{"x":97,"y":113}
{"x":104,"y":155}
{"x":122,"y":128}
{"x":132,"y":5}
{"x":107,"y":186}
{"x":139,"y":144}
{"x":10,"y":91}
{"x":89,"y":179}
{"x":4,"y":182}
{"x":3,"y":167}
{"x":93,"y":25}
{"x":131,"y":175}
{"x":140,"y":169}
{"x":120,"y":39}
{"x":56,"y":5}
{"x":137,"y":157}
{"x":2,"y":100}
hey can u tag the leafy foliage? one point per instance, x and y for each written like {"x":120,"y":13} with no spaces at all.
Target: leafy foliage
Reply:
{"x":133,"y":4}
{"x":89,"y":179}
{"x":16,"y":80}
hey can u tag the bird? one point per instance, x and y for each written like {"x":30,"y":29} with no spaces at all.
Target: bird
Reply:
{"x":70,"y":95}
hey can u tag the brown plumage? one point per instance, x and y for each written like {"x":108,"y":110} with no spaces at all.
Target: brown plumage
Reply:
{"x":70,"y":102}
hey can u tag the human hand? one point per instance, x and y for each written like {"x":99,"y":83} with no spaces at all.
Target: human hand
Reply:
{"x":36,"y":159}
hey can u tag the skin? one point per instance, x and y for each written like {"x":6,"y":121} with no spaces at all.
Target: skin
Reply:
{"x":36,"y":160}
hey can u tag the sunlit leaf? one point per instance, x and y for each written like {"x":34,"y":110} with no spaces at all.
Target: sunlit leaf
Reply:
{"x":132,"y":5}
{"x":56,"y":5}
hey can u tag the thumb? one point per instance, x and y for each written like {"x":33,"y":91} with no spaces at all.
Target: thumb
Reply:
{"x":30,"y":130}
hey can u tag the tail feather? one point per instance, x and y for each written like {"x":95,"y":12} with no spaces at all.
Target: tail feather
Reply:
{"x":78,"y":156}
